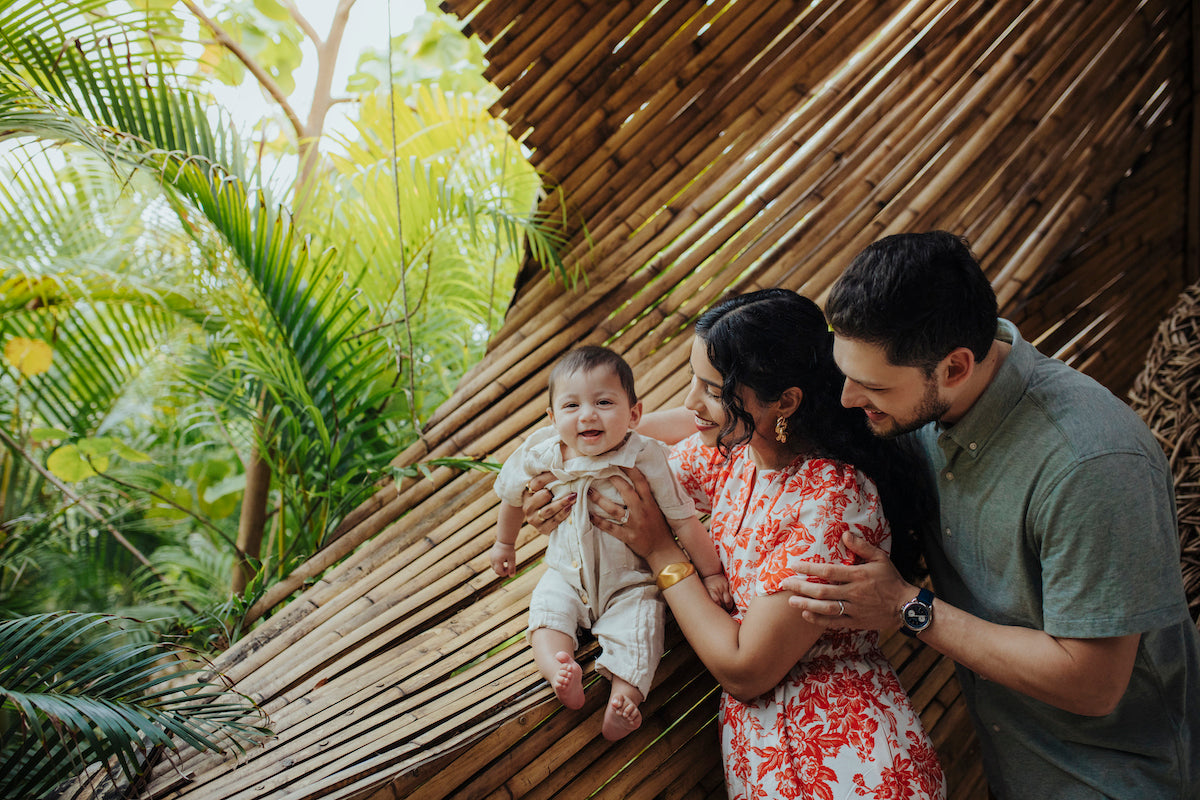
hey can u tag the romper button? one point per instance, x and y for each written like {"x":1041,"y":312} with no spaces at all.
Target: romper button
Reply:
{"x":948,"y":533}
{"x":574,"y":565}
{"x":949,"y":476}
{"x":583,"y":597}
{"x":972,"y":445}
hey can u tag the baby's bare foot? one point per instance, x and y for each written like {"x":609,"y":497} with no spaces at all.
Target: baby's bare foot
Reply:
{"x":568,"y":681}
{"x":621,"y":718}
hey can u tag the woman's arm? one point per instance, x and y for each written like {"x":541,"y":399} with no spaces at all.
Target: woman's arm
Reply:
{"x":670,"y":426}
{"x":748,"y":658}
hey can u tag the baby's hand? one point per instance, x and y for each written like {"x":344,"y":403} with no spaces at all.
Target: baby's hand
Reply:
{"x":718,"y":590}
{"x":504,"y":559}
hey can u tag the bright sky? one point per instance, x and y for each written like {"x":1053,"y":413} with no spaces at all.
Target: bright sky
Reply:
{"x":367,"y":27}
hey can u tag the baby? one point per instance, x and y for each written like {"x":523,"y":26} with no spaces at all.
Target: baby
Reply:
{"x":594,"y":580}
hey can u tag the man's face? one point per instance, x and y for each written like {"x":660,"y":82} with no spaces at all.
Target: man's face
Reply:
{"x":895,"y":399}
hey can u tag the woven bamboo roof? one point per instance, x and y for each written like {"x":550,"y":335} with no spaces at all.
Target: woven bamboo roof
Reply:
{"x":702,"y":148}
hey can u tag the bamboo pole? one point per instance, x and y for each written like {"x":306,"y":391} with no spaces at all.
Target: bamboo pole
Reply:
{"x":763,"y":150}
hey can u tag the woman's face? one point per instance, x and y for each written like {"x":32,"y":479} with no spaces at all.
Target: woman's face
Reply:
{"x":704,"y":396}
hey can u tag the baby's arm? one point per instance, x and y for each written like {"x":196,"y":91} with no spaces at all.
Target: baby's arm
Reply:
{"x":695,"y":540}
{"x":504,"y":551}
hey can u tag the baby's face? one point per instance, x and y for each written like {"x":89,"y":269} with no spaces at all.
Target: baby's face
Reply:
{"x":592,"y":412}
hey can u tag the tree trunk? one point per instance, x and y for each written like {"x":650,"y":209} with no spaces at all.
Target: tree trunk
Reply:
{"x":253,"y":519}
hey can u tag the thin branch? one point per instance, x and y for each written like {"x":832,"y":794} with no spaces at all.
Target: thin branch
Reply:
{"x":327,"y":54}
{"x":90,"y":510}
{"x":168,"y":501}
{"x":264,"y":79}
{"x":302,"y":22}
{"x":411,"y":389}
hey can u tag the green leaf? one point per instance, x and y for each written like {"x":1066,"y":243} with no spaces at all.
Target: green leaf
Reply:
{"x":48,"y":434}
{"x":128,"y":453}
{"x":70,"y":465}
{"x":176,"y":503}
{"x":83,"y":692}
{"x":272,"y":9}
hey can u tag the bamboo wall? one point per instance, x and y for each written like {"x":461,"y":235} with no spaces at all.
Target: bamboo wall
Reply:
{"x":707,"y":147}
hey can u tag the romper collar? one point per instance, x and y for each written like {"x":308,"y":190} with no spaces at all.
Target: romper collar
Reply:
{"x":979,"y":424}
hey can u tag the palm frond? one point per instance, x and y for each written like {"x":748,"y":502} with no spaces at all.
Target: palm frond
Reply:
{"x":84,"y":694}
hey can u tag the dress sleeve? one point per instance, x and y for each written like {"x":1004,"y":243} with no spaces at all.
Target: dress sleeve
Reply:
{"x":699,"y":470}
{"x":510,"y":482}
{"x":821,"y":501}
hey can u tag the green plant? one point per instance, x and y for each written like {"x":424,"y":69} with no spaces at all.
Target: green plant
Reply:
{"x":86,"y":689}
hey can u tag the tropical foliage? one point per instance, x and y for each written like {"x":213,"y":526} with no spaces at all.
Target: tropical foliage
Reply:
{"x":205,"y":367}
{"x":83,"y":689}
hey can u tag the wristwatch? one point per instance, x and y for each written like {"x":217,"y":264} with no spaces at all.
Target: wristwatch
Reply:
{"x":917,"y":614}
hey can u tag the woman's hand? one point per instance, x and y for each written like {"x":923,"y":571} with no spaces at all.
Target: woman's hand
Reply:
{"x":541,"y":509}
{"x":867,"y":595}
{"x":637,"y":521}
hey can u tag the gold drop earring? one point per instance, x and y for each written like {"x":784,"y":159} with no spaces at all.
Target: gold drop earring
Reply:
{"x":781,"y":430}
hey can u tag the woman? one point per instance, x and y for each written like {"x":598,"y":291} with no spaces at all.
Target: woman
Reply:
{"x":783,"y":470}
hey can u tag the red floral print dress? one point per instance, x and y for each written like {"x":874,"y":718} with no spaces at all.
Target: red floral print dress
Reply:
{"x":839,"y":725}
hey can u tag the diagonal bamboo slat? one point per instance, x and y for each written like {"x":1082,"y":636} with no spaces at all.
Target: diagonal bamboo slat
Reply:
{"x":706,"y":148}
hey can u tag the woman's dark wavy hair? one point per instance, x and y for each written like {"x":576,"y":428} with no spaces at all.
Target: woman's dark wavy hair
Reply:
{"x":770,"y":340}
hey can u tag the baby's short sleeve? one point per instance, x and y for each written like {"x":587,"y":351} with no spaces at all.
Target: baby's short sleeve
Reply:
{"x":670,"y":496}
{"x":520,"y":467}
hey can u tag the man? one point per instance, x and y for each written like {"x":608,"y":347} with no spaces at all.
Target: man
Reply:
{"x":1056,"y":558}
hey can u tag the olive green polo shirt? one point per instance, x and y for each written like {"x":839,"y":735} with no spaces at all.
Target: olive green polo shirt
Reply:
{"x":1058,"y":514}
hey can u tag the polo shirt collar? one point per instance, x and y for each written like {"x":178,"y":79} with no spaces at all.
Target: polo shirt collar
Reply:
{"x":979,"y":424}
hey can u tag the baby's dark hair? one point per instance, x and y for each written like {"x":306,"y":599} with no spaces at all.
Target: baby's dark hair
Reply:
{"x":588,"y":358}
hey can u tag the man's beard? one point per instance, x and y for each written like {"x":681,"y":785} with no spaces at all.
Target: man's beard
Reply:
{"x":931,"y":409}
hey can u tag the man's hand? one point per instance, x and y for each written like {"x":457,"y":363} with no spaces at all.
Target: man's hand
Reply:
{"x":865,"y":596}
{"x":541,"y":509}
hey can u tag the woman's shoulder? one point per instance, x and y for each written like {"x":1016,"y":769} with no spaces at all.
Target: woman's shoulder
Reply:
{"x":829,"y":474}
{"x":693,"y":449}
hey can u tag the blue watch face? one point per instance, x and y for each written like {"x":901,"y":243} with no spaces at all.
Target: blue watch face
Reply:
{"x":917,"y":616}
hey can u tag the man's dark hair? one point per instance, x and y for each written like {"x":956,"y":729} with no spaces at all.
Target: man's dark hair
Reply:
{"x":918,"y":296}
{"x":588,"y":358}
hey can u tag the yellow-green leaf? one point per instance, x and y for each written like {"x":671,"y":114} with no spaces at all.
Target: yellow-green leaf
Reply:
{"x":48,"y":434}
{"x":271,"y":9}
{"x":30,"y":356}
{"x":180,"y":497}
{"x":69,"y":464}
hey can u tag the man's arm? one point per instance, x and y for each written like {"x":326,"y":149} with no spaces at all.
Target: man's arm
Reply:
{"x":1082,"y":676}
